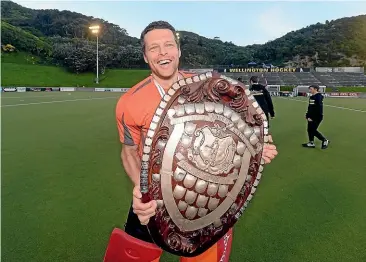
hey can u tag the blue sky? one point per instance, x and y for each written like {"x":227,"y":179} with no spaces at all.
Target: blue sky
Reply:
{"x":242,"y":22}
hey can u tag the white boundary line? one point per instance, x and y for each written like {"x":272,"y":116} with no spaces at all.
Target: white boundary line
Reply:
{"x":61,"y":101}
{"x":25,"y":97}
{"x":339,"y":107}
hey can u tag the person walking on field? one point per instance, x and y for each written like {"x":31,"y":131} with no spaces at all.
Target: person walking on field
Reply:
{"x":262,"y":96}
{"x":314,"y":117}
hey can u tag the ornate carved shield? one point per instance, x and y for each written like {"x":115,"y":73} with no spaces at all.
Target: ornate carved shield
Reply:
{"x":202,"y":161}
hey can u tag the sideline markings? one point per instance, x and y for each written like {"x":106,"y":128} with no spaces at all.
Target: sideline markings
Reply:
{"x":339,"y":107}
{"x":61,"y":101}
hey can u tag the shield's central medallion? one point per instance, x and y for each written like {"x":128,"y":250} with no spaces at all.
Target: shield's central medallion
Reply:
{"x":213,"y":150}
{"x":202,"y":161}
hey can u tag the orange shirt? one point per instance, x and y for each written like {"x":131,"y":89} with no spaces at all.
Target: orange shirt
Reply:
{"x":135,"y":110}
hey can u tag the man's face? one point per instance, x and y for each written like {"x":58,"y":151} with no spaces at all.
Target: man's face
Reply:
{"x":162,"y":52}
{"x":312,"y":90}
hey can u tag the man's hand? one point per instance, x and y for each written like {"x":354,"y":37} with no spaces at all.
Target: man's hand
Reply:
{"x":310,"y":120}
{"x":144,"y":211}
{"x":269,"y":151}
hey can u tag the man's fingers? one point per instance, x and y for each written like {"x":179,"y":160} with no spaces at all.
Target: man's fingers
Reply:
{"x":149,"y":212}
{"x":266,"y":160}
{"x":145,"y":212}
{"x":144,"y":220}
{"x":137,"y":205}
{"x":268,"y":156}
{"x":270,"y":153}
{"x":269,"y":147}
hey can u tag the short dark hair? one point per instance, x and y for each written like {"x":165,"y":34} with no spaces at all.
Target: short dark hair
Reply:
{"x":157,"y":25}
{"x":254,"y":79}
{"x":315,"y":87}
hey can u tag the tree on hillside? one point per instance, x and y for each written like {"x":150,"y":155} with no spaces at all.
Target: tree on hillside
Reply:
{"x":65,"y":37}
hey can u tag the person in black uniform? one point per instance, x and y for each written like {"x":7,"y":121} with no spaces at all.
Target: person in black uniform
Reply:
{"x":314,"y":116}
{"x":262,"y":96}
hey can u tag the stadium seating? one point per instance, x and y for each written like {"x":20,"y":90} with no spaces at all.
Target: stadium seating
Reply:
{"x":307,"y":78}
{"x":341,"y":79}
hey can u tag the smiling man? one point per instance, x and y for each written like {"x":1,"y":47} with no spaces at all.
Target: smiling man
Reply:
{"x":135,"y":111}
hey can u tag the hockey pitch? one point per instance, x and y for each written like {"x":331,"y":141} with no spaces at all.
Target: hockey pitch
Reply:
{"x":64,"y":189}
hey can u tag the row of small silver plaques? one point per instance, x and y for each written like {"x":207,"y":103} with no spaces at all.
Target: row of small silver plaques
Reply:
{"x":260,"y":168}
{"x":189,"y":128}
{"x":147,"y":149}
{"x":248,"y":178}
{"x":160,"y":203}
{"x":181,"y":100}
{"x":257,"y":131}
{"x":191,"y":211}
{"x":201,"y":77}
{"x":229,"y":79}
{"x":240,"y":148}
{"x":190,"y":197}
{"x":145,"y":157}
{"x":256,"y":182}
{"x":217,"y":223}
{"x":233,"y":208}
{"x":189,"y":181}
{"x":237,"y":161}
{"x":186,"y":141}
{"x":253,"y":139}
{"x":152,"y":128}
{"x":156,"y":177}
{"x":161,"y":144}
{"x":259,"y":176}
{"x":254,"y":188}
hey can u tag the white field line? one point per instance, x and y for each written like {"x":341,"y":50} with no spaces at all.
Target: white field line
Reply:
{"x":339,"y":107}
{"x":24,"y":97}
{"x":60,"y":101}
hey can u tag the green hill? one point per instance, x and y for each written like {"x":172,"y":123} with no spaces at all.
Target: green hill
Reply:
{"x":36,"y":75}
{"x":24,"y":40}
{"x":341,"y":42}
{"x":62,"y":38}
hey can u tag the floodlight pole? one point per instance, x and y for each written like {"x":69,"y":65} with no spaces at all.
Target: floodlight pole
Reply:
{"x":95,"y":30}
{"x":97,"y":81}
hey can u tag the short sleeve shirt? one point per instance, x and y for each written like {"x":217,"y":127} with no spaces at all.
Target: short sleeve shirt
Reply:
{"x":135,"y":110}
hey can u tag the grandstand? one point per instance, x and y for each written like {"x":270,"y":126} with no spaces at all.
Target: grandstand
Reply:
{"x":341,"y":79}
{"x":330,"y":77}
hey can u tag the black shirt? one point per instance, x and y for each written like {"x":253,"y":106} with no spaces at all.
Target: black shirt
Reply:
{"x":315,"y":108}
{"x":263,"y":98}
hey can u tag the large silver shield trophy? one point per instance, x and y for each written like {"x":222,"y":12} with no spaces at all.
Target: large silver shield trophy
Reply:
{"x":202,"y":161}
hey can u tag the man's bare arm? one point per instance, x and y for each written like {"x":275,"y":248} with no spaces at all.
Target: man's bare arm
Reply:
{"x":131,"y":163}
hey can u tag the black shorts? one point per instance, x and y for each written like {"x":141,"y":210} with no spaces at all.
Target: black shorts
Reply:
{"x":134,"y":228}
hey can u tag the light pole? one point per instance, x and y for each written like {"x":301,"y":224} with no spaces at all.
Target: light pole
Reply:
{"x":95,"y":30}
